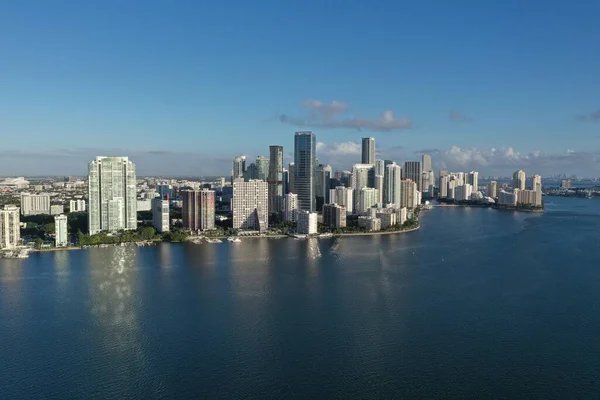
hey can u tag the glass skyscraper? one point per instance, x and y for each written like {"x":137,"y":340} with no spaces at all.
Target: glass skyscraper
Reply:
{"x":304,"y":170}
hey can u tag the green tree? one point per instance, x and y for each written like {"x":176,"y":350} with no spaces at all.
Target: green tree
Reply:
{"x":147,"y":233}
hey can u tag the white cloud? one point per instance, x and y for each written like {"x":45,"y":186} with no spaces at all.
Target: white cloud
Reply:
{"x":330,"y":116}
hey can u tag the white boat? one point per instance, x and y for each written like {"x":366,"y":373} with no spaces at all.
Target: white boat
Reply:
{"x":326,"y":235}
{"x":214,"y":240}
{"x":234,"y":239}
{"x":17,"y":253}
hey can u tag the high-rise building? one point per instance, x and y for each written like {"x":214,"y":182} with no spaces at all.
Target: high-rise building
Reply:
{"x":519,"y":178}
{"x":275,"y":179}
{"x":304,"y":169}
{"x":491,"y":189}
{"x":164,"y":189}
{"x":35,"y":204}
{"x":239,"y":167}
{"x":61,"y":238}
{"x":262,"y":168}
{"x":251,"y":172}
{"x":250,"y":205}
{"x":536,"y":185}
{"x":290,"y":209}
{"x":286,"y":181}
{"x":207,"y":210}
{"x":565,"y":184}
{"x":291,"y":177}
{"x":322,"y":185}
{"x":412,"y":171}
{"x":10,"y":233}
{"x":464,"y":192}
{"x":368,"y":151}
{"x":76,"y":205}
{"x":409,"y":194}
{"x":342,"y":196}
{"x":472,"y":178}
{"x":57,"y":209}
{"x":379,"y":168}
{"x":334,"y":216}
{"x":190,"y":210}
{"x":360,"y":179}
{"x":379,"y":184}
{"x":426,"y":162}
{"x":160,"y":213}
{"x":367,"y":199}
{"x":393,"y":180}
{"x":307,"y":222}
{"x":112,"y":195}
{"x":443,"y":186}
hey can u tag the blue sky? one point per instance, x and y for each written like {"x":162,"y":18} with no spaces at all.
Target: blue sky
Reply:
{"x":184,"y":86}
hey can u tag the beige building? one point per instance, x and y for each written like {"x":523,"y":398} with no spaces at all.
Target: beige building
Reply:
{"x":519,"y":178}
{"x":334,"y":216}
{"x":250,"y":205}
{"x":10,"y":233}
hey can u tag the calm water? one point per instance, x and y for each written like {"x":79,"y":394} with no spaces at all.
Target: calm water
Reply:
{"x":477,"y":304}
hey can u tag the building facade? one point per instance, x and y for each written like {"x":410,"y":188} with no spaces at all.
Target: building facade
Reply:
{"x":206,"y":217}
{"x":342,"y":196}
{"x":334,"y":216}
{"x":304,"y":169}
{"x":61,"y":231}
{"x":275,"y":179}
{"x":368,"y":151}
{"x":190,"y":210}
{"x":367,"y":199}
{"x":160,"y":213}
{"x":307,"y":222}
{"x":250,"y":205}
{"x":112,"y":195}
{"x":10,"y":233}
{"x":76,"y":205}
{"x":519,"y":179}
{"x":412,"y":171}
{"x":35,"y":204}
{"x":290,"y":207}
{"x":393,"y":180}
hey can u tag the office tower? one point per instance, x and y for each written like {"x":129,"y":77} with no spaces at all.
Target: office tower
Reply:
{"x":190,"y":210}
{"x":262,"y":167}
{"x":443,"y":186}
{"x":251,"y":172}
{"x":76,"y":205}
{"x":250,"y":205}
{"x":61,"y":231}
{"x":290,"y":208}
{"x":491,"y":189}
{"x":160,"y":213}
{"x":342,"y":196}
{"x":393,"y":179}
{"x":368,"y":151}
{"x":334,"y":216}
{"x":472,"y":178}
{"x":536,"y":186}
{"x":207,"y":210}
{"x":35,"y":204}
{"x":292,"y":177}
{"x":519,"y":180}
{"x":451,"y":192}
{"x":286,"y":181}
{"x":379,"y":168}
{"x":379,"y":183}
{"x":307,"y":222}
{"x":426,"y":162}
{"x":112,"y":195}
{"x":239,"y":167}
{"x":275,"y":179}
{"x":412,"y":171}
{"x":385,"y":165}
{"x":409,"y":194}
{"x":322,"y":185}
{"x":360,"y":179}
{"x":367,"y":198}
{"x":304,"y":169}
{"x":164,"y":190}
{"x":346,"y":178}
{"x":10,"y":233}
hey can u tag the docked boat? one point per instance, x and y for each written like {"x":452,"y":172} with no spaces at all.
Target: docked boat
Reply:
{"x":326,"y":235}
{"x":233,"y":239}
{"x":17,"y":253}
{"x":213,"y":240}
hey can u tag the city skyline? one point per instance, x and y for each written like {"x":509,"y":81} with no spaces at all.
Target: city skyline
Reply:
{"x":484,"y":90}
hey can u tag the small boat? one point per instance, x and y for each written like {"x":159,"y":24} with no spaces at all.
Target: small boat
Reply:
{"x":326,"y":235}
{"x":233,"y":239}
{"x":214,"y":240}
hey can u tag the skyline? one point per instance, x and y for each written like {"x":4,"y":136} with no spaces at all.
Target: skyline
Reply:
{"x":476,"y":88}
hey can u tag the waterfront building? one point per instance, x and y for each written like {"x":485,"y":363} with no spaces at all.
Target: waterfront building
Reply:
{"x":401,"y":215}
{"x":290,"y":207}
{"x":360,"y":179}
{"x":276,"y":179}
{"x":412,"y":171}
{"x":206,"y":201}
{"x":190,"y":210}
{"x":409,"y":195}
{"x":112,"y":195}
{"x":379,"y":184}
{"x":463,"y":192}
{"x":262,"y":167}
{"x":10,"y":233}
{"x":393,"y":179}
{"x":250,"y":205}
{"x":507,"y":198}
{"x":565,"y":184}
{"x":536,"y":186}
{"x":472,"y":178}
{"x":342,"y":196}
{"x":368,"y":151}
{"x":451,"y":192}
{"x":528,"y":197}
{"x":387,"y":216}
{"x":443,"y":186}
{"x":239,"y":167}
{"x":160,"y":213}
{"x":35,"y":204}
{"x":519,"y":178}
{"x":57,"y":209}
{"x":370,"y":223}
{"x":304,"y":169}
{"x":367,"y":198}
{"x":61,"y":232}
{"x":492,"y":189}
{"x":307,"y":222}
{"x":334,"y":216}
{"x":76,"y":205}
